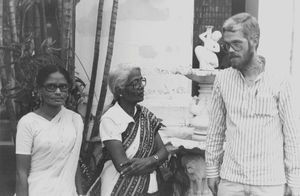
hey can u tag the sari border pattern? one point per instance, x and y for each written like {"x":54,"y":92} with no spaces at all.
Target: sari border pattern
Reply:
{"x":149,"y":124}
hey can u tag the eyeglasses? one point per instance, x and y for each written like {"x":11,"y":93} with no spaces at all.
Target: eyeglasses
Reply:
{"x":54,"y":87}
{"x":236,"y":46}
{"x":137,"y":83}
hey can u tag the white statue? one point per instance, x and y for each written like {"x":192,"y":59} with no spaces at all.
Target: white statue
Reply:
{"x":206,"y":56}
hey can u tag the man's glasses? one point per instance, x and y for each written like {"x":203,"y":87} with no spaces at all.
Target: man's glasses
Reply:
{"x":54,"y":87}
{"x":137,"y":83}
{"x":236,"y":46}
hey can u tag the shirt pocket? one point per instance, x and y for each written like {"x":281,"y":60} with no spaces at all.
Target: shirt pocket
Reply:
{"x":264,"y":105}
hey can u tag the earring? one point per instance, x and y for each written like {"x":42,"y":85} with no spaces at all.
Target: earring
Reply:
{"x":39,"y":100}
{"x":121,"y":95}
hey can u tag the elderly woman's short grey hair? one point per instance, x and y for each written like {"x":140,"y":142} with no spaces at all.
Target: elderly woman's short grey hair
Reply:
{"x":118,"y":77}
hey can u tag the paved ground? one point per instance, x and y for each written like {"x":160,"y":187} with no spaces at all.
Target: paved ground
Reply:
{"x":7,"y":170}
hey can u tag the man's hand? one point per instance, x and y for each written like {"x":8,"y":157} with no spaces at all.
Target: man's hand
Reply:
{"x":213,"y":184}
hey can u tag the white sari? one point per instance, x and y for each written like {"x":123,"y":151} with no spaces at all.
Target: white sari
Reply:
{"x":54,"y":152}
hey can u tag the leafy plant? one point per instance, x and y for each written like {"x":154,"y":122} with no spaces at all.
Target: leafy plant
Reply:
{"x":26,"y":66}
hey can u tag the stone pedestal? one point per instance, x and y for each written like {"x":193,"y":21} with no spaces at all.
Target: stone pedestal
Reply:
{"x":200,"y":119}
{"x":195,"y":165}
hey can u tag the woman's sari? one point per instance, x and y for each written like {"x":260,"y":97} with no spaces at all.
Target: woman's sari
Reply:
{"x":149,"y":125}
{"x":55,"y":153}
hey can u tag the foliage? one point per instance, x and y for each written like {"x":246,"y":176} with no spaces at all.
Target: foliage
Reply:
{"x":27,"y":64}
{"x":77,"y":96}
{"x":28,"y":26}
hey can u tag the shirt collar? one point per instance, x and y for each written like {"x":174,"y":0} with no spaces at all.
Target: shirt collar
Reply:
{"x":259,"y":77}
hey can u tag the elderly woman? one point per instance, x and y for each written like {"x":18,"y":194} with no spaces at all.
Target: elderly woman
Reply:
{"x":130,"y":135}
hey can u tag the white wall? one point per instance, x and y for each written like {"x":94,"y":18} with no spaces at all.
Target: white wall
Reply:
{"x":275,"y":19}
{"x":295,"y":67}
{"x":278,"y":19}
{"x":150,"y":33}
{"x":296,"y":41}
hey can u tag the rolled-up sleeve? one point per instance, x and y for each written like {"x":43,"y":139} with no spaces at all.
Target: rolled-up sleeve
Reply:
{"x":289,"y":116}
{"x":110,"y":130}
{"x":216,"y":132}
{"x":24,"y":138}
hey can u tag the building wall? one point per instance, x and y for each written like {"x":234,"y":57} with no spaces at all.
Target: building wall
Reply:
{"x":296,"y":41}
{"x":280,"y":39}
{"x":155,"y":34}
{"x":276,"y":31}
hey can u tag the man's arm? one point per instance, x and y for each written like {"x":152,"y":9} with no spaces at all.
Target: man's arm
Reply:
{"x":291,"y":133}
{"x":216,"y":133}
{"x":215,"y":138}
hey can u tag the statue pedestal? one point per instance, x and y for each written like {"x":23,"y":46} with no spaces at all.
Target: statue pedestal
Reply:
{"x":202,"y":76}
{"x":200,"y":119}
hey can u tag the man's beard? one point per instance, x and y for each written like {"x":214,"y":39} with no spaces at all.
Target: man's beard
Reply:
{"x":244,"y":63}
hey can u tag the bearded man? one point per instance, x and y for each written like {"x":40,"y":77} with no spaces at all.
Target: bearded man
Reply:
{"x":253,"y":114}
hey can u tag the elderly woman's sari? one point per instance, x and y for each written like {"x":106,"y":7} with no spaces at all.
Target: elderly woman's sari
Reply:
{"x":133,"y":185}
{"x":54,"y":152}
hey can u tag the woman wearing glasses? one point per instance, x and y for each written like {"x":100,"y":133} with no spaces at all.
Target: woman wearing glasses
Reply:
{"x":129,"y":132}
{"x":48,"y":140}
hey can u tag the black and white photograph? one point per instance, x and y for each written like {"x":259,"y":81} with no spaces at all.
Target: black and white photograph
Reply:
{"x":149,"y":98}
